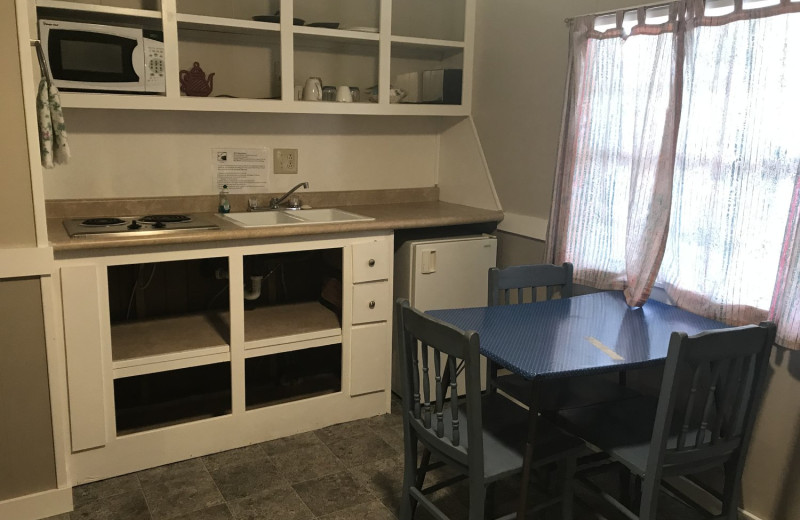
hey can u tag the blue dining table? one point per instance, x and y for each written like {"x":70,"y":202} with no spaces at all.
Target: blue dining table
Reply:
{"x":583,"y":335}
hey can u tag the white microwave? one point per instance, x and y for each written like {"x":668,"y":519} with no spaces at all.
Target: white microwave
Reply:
{"x":83,"y":56}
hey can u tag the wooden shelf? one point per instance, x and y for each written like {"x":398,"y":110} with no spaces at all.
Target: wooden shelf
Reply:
{"x":150,"y":346}
{"x":300,"y":323}
{"x":426,"y":43}
{"x":225,"y":25}
{"x":97,"y":9}
{"x":212,"y":104}
{"x":335,"y":35}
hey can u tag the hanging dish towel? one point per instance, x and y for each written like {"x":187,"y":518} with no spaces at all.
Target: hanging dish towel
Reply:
{"x":52,"y":131}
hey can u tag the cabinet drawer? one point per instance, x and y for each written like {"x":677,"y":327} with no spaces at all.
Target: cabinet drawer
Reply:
{"x":372,"y":302}
{"x":371,"y":261}
{"x":369,"y":358}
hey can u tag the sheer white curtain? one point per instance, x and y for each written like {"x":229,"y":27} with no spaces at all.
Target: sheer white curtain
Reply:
{"x":613,"y":190}
{"x":736,"y":167}
{"x":723,"y":206}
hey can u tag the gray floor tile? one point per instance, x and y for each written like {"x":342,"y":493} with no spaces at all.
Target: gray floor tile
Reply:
{"x":281,"y":503}
{"x":130,"y":506}
{"x":292,"y":443}
{"x":179,"y":470}
{"x":368,"y":511}
{"x":361,"y":448}
{"x":104,"y":489}
{"x":383,"y":478}
{"x":342,"y":431}
{"x":248,"y":478}
{"x":233,"y":457}
{"x":178,"y":489}
{"x":307,"y":464}
{"x":220,"y":512}
{"x":332,"y":493}
{"x":391,"y":436}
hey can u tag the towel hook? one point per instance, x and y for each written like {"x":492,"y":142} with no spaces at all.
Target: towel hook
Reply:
{"x":42,"y":62}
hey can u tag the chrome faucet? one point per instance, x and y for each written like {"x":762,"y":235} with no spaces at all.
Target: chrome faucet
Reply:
{"x":275,"y":202}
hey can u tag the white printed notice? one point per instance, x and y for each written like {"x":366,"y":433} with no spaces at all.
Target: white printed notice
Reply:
{"x":243,"y":170}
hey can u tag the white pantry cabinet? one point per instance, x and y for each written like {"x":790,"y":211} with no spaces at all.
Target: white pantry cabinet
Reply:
{"x":175,"y":352}
{"x":258,"y":63}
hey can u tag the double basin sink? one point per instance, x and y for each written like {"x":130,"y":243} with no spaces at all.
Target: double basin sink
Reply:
{"x":291,"y":217}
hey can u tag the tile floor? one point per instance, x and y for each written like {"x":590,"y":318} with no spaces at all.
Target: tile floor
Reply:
{"x":347,"y":471}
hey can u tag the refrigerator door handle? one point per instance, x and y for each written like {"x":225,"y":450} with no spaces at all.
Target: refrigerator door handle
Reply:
{"x":428,"y":261}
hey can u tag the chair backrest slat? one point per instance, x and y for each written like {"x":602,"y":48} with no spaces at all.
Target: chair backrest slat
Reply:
{"x":426,"y":386}
{"x":711,"y":388}
{"x":437,"y":365}
{"x":709,"y":409}
{"x":451,"y":365}
{"x":524,"y":278}
{"x":451,"y":348}
{"x":414,"y":356}
{"x":688,"y":410}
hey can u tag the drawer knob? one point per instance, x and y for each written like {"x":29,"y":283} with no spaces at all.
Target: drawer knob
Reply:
{"x":372,"y":304}
{"x":371,"y":262}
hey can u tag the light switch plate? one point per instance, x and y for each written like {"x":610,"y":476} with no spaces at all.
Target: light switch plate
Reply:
{"x":285,"y":160}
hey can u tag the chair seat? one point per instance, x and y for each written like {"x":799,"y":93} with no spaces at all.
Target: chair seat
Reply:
{"x":566,"y":393}
{"x":622,"y":429}
{"x":505,"y":427}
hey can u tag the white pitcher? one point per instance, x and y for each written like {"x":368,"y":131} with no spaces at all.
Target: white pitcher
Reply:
{"x":313,"y":89}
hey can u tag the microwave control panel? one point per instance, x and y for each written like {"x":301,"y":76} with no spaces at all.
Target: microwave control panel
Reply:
{"x":154,"y":63}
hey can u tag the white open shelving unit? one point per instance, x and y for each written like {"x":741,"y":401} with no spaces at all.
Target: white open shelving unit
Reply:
{"x":253,"y":60}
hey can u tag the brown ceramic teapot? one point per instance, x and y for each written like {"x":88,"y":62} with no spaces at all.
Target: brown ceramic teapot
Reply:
{"x":195,"y":83}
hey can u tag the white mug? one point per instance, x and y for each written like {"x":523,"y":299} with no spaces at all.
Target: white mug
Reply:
{"x":343,"y":94}
{"x":313,"y":89}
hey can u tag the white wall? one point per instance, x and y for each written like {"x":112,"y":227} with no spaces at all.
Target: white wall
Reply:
{"x":520,"y":73}
{"x":150,"y":153}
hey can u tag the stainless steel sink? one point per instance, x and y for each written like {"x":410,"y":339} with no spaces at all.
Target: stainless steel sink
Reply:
{"x":301,"y":216}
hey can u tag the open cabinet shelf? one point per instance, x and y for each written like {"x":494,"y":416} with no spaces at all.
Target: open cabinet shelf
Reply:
{"x":259,"y":65}
{"x":95,"y":9}
{"x":291,"y":323}
{"x":168,"y":343}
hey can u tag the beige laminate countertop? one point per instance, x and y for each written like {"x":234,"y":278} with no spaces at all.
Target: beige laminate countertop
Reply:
{"x":388,"y":216}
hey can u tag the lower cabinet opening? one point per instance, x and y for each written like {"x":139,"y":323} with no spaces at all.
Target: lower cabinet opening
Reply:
{"x":291,"y":376}
{"x":162,"y":399}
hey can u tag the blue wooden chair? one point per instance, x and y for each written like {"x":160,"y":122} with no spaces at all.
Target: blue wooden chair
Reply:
{"x":704,"y":416}
{"x":524,"y":284}
{"x":481,"y":437}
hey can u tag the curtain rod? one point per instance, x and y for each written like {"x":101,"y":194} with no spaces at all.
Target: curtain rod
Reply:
{"x":630,"y":8}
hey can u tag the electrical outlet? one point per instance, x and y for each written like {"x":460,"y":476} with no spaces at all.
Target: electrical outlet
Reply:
{"x":285,"y":160}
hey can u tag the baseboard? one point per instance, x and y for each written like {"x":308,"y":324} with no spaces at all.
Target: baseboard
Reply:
{"x":39,"y":505}
{"x":705,"y":499}
{"x":744,"y":515}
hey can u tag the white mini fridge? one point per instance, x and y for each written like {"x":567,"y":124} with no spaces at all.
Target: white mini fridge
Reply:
{"x":443,"y":273}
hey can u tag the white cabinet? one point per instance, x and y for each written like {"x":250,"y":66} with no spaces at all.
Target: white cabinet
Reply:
{"x":175,"y":353}
{"x":259,"y":59}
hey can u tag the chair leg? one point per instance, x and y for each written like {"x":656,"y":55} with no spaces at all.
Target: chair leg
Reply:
{"x":649,"y":505}
{"x":489,"y":506}
{"x":423,"y":468}
{"x":491,"y":376}
{"x":567,"y":491}
{"x":477,"y":500}
{"x":407,"y":504}
{"x":730,"y":490}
